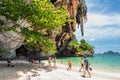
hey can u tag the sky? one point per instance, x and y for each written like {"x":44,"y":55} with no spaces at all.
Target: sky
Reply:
{"x":102,"y":28}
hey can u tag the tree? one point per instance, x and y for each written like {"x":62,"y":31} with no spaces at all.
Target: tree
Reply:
{"x":40,"y":15}
{"x":83,"y":47}
{"x":73,"y":44}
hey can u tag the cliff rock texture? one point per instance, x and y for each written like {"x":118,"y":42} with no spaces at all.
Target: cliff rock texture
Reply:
{"x":77,"y":11}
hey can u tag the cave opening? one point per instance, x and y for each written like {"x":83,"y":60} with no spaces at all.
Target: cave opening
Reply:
{"x":23,"y":53}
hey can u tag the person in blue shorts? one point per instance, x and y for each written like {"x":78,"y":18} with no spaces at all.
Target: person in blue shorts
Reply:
{"x":87,"y":67}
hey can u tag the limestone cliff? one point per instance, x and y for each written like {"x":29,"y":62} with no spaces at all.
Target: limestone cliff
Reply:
{"x":77,"y":12}
{"x":10,"y":40}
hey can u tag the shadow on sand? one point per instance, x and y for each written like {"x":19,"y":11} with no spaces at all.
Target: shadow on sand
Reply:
{"x":23,"y":67}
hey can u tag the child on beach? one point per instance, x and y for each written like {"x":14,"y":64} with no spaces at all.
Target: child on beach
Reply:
{"x":69,"y":64}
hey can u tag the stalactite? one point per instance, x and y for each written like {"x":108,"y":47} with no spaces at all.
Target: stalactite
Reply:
{"x":81,"y":15}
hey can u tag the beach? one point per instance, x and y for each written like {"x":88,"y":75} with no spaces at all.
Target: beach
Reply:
{"x":23,"y":70}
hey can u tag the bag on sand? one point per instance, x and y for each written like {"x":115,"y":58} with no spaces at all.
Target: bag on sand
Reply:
{"x":90,"y":69}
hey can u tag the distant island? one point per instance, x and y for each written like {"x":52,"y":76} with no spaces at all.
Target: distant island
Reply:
{"x":111,"y":53}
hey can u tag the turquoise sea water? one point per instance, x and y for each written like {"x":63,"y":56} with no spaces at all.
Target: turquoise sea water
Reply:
{"x":109,"y":63}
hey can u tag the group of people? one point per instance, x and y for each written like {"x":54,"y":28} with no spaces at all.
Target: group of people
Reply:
{"x":85,"y":66}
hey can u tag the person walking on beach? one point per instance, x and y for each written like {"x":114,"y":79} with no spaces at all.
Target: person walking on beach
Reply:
{"x":54,"y":61}
{"x":87,"y":67}
{"x":69,"y":64}
{"x":39,"y":60}
{"x":82,"y":64}
{"x":49,"y":61}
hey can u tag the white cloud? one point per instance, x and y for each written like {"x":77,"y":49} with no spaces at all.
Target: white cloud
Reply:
{"x":103,"y":26}
{"x":101,"y":20}
{"x":100,"y":26}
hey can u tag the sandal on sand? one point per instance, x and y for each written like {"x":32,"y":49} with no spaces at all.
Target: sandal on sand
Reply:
{"x":83,"y":76}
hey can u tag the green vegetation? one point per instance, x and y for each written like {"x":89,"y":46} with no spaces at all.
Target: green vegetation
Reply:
{"x":1,"y":22}
{"x":40,"y":14}
{"x":73,"y":44}
{"x":83,"y":47}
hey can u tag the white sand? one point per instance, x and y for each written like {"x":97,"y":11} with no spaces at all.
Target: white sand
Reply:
{"x":24,"y":71}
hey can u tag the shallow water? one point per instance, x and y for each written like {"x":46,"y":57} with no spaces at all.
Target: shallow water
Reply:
{"x":109,"y":63}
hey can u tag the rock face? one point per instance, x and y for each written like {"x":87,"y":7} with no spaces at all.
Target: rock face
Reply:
{"x":12,"y":40}
{"x":77,"y":12}
{"x":9,"y":40}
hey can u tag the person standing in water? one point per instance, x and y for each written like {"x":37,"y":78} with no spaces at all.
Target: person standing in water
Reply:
{"x":87,"y":67}
{"x":69,"y":64}
{"x":82,"y":64}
